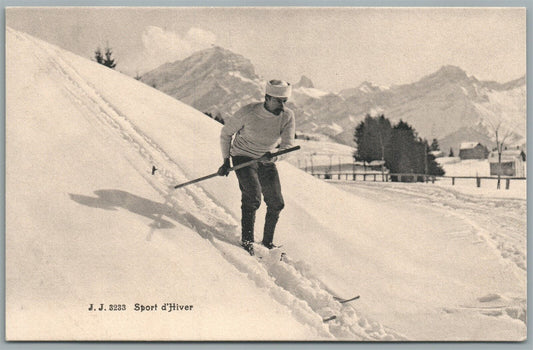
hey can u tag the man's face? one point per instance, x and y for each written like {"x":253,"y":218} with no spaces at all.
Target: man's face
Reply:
{"x":276,"y":105}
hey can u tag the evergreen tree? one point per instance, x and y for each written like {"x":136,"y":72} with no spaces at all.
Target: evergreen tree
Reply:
{"x":402,"y":153}
{"x":98,"y":56}
{"x":372,"y":136}
{"x":434,"y":168}
{"x":451,"y":153}
{"x":435,"y":145}
{"x":108,"y":61}
{"x":106,"y":58}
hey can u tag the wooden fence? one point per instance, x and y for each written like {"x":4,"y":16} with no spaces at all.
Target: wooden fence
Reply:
{"x":386,"y":177}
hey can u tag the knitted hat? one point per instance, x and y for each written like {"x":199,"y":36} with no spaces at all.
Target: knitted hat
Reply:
{"x":278,"y":88}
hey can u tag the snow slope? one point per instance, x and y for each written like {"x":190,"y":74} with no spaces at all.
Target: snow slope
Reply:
{"x":86,"y":222}
{"x":468,"y":238}
{"x":505,"y":106}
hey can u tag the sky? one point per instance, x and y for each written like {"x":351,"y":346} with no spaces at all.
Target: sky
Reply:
{"x":337,"y":48}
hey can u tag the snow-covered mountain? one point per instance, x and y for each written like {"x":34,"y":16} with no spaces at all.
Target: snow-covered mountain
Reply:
{"x":304,"y":82}
{"x":364,"y":88}
{"x":448,"y":102}
{"x":214,"y":80}
{"x":87,"y":223}
{"x":447,"y":105}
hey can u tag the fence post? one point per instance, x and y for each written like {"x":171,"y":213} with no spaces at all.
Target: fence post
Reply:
{"x":453,"y":181}
{"x":478,"y":181}
{"x":507,"y":183}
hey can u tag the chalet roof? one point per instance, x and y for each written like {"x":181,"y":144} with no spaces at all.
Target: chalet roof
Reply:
{"x":469,"y":145}
{"x":376,"y":163}
{"x":437,"y":153}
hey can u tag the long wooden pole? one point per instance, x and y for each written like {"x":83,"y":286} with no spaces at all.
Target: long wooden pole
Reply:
{"x":237,"y":167}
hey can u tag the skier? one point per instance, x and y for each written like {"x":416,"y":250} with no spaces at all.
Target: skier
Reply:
{"x":257,"y":129}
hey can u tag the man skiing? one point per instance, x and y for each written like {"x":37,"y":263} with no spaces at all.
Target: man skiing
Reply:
{"x":258,"y":128}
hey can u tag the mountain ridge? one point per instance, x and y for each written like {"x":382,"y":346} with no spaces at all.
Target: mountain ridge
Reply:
{"x":218,"y":81}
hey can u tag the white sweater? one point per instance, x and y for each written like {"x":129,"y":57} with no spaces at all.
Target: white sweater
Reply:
{"x":257,"y":131}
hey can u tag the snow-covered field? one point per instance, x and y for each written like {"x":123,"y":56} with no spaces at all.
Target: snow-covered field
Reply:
{"x":87,"y":223}
{"x":454,"y":166}
{"x":320,"y":153}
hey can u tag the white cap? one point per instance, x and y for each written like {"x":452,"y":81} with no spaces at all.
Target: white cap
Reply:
{"x":278,"y":88}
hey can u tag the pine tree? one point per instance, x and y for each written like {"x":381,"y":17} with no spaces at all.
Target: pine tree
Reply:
{"x":98,"y":56}
{"x":108,"y":61}
{"x":402,"y":154}
{"x":434,"y":168}
{"x":435,"y":145}
{"x":372,"y":136}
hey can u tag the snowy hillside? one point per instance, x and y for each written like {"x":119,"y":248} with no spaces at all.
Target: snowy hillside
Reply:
{"x":505,"y":105}
{"x":87,"y":223}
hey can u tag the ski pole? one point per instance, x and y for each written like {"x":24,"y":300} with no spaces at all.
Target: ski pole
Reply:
{"x":237,"y":167}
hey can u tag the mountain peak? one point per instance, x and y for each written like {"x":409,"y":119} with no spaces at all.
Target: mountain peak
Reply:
{"x":452,"y":70}
{"x":368,"y":87}
{"x":217,"y":59}
{"x":304,"y":82}
{"x":448,"y":72}
{"x":213,"y":50}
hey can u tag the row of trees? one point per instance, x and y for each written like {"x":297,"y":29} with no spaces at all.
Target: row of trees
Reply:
{"x":105,"y":58}
{"x":397,"y":145}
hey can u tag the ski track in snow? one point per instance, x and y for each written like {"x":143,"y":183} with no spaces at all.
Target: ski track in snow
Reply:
{"x":289,"y":282}
{"x":499,"y":223}
{"x":502,"y":224}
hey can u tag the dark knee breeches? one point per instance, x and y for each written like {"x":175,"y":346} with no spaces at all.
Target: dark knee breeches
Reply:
{"x":254,"y":180}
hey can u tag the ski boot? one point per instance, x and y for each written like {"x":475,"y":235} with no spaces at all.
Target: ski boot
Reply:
{"x":248,"y":246}
{"x":270,"y":245}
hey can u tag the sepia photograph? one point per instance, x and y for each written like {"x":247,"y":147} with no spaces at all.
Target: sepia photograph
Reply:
{"x":310,"y":174}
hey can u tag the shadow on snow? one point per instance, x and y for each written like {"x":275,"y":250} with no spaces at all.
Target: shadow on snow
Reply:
{"x":155,"y":211}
